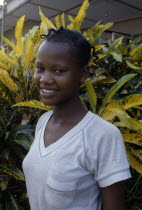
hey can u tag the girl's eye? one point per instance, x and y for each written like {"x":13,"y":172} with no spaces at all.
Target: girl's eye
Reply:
{"x":39,"y":68}
{"x":60,"y":71}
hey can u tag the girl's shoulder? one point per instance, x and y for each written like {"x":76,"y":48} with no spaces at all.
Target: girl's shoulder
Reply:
{"x":100,"y":126}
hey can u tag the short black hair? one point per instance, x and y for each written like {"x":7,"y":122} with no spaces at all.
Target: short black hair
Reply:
{"x":77,"y":42}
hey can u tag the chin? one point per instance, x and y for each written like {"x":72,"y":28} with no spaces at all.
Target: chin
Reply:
{"x":47,"y":103}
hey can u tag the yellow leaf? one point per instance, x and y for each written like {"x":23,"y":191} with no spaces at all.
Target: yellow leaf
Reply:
{"x":108,"y":80}
{"x":7,"y":59}
{"x":63,"y":20}
{"x":3,"y":49}
{"x":7,"y":81}
{"x":107,"y":115}
{"x":91,"y":94}
{"x":92,"y":30}
{"x":133,"y":138}
{"x":70,"y":18}
{"x":4,"y":66}
{"x":101,"y":56}
{"x":43,"y":28}
{"x":136,"y":50}
{"x":57,"y":21}
{"x":131,"y":101}
{"x":81,"y":15}
{"x":128,"y":122}
{"x":98,"y":47}
{"x":46,"y":20}
{"x":5,"y":97}
{"x":29,"y":54}
{"x":137,"y":153}
{"x":133,"y":162}
{"x":18,"y":36}
{"x":8,"y":42}
{"x":34,"y":104}
{"x":118,"y":124}
{"x":18,"y":99}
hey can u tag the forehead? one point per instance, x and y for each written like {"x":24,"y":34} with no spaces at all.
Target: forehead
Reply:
{"x":57,"y":50}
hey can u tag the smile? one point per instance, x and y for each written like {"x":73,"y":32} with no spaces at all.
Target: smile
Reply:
{"x":47,"y":91}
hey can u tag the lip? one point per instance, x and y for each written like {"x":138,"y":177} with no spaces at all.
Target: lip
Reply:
{"x":47,"y":92}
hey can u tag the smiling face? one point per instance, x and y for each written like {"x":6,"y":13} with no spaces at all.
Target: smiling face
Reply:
{"x":58,"y":74}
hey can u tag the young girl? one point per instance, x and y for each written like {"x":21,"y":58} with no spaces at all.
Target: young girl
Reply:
{"x":77,"y":160}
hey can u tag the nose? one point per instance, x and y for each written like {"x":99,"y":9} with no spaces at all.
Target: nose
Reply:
{"x":47,"y":78}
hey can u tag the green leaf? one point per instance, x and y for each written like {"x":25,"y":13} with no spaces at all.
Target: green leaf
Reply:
{"x":13,"y":202}
{"x":96,"y":33}
{"x":117,"y":42}
{"x":24,"y":143}
{"x":132,"y":66}
{"x":117,"y":56}
{"x":133,"y":43}
{"x":24,"y":129}
{"x":114,"y":89}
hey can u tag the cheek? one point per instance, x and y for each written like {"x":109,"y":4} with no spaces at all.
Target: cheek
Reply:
{"x":36,"y":79}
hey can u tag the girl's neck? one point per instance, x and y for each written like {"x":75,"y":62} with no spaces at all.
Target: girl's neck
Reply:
{"x":69,"y":112}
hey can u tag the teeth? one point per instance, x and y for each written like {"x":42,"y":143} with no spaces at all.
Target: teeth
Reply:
{"x":48,"y":91}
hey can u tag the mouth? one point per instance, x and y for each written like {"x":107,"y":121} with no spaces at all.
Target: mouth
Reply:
{"x":47,"y":92}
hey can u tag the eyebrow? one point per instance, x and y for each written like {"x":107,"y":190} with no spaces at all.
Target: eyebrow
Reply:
{"x":58,"y":65}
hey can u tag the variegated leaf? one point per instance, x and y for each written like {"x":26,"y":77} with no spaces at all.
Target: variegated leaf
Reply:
{"x":99,"y":47}
{"x":132,"y":66}
{"x":133,"y":161}
{"x":114,"y":89}
{"x":128,"y":122}
{"x":133,"y":138}
{"x":91,"y":94}
{"x":46,"y":20}
{"x":136,"y":50}
{"x":18,"y":36}
{"x":26,"y":144}
{"x":29,"y":54}
{"x":13,"y":171}
{"x":7,"y":59}
{"x":8,"y":42}
{"x":57,"y":21}
{"x":131,"y":101}
{"x":34,"y":104}
{"x":80,"y":16}
{"x":4,"y":66}
{"x":63,"y":20}
{"x":7,"y":81}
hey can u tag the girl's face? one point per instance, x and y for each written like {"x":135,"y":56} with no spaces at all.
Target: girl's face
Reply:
{"x":58,"y":75}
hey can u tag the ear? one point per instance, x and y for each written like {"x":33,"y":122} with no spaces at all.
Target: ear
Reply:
{"x":84,"y":73}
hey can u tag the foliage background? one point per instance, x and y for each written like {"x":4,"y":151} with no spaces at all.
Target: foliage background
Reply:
{"x":114,"y":92}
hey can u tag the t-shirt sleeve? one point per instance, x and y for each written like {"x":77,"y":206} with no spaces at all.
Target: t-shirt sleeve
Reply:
{"x":106,"y":156}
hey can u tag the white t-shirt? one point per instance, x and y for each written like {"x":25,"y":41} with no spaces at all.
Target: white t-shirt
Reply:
{"x":68,"y":174}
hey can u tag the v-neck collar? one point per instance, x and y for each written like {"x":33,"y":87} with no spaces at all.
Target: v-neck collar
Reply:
{"x":65,"y":138}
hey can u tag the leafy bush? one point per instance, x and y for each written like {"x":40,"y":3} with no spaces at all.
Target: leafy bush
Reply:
{"x":113,"y":92}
